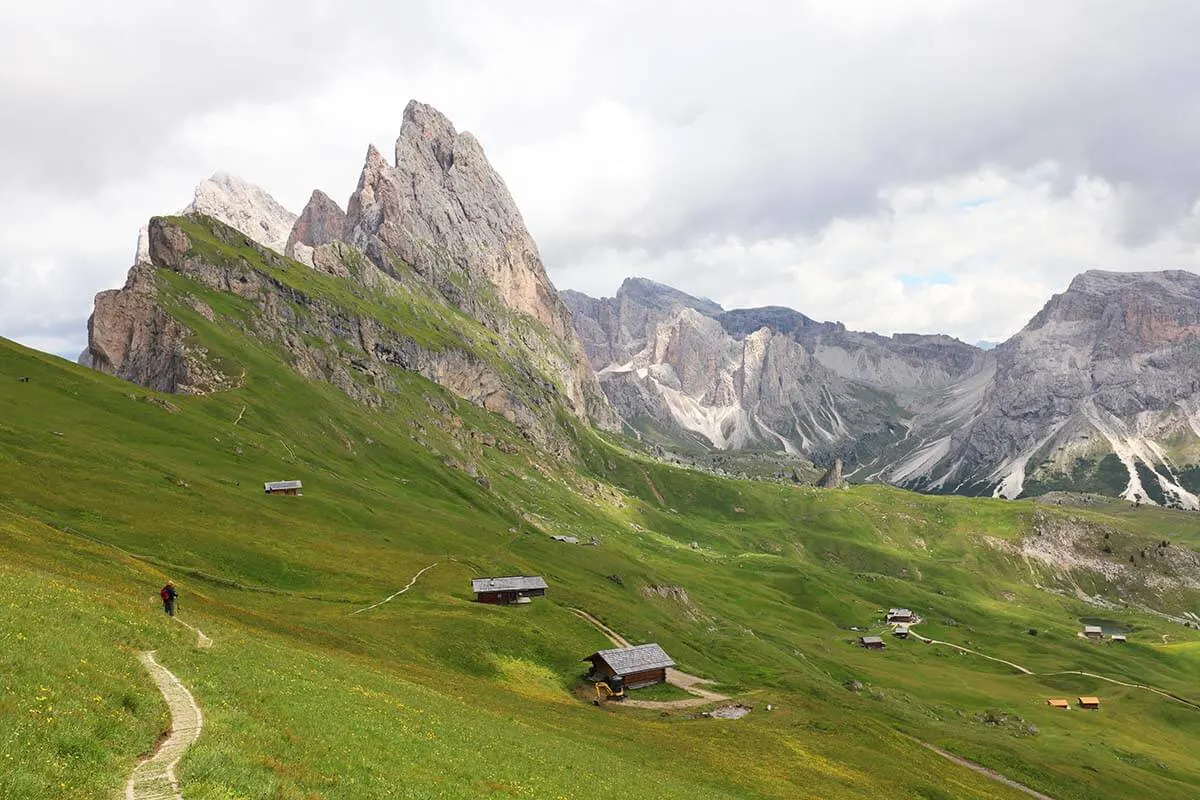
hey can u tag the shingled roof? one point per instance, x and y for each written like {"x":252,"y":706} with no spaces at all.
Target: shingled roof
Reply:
{"x":628,"y":660}
{"x":279,"y":486}
{"x":516,"y":583}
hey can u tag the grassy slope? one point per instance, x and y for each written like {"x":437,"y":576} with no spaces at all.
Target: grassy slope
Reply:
{"x":432,"y":695}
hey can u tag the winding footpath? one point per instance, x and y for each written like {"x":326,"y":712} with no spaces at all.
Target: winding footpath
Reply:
{"x":402,"y":591}
{"x":154,"y":777}
{"x":677,"y":678}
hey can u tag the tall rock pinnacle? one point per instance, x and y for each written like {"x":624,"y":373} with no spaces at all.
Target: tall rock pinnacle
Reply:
{"x":446,"y":214}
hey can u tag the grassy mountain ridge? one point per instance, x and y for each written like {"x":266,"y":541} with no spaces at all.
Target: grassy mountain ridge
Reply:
{"x":110,"y":488}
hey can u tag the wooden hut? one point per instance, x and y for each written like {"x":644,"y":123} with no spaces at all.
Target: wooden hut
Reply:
{"x":643,"y":665}
{"x":1089,"y":702}
{"x":505,"y":591}
{"x":284,"y":487}
{"x":901,"y":615}
{"x":1118,"y":637}
{"x":1058,"y":702}
{"x":872,"y":642}
{"x":1093,"y":631}
{"x":901,"y":630}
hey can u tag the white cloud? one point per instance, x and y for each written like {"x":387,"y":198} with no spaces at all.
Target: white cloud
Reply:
{"x":927,"y":165}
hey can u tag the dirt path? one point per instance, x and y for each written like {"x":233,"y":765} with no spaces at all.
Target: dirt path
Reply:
{"x":154,"y":777}
{"x":982,"y":770}
{"x":960,"y":648}
{"x":402,"y":591}
{"x":689,"y":683}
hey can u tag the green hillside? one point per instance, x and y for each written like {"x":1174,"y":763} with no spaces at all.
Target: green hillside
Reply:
{"x":109,"y":489}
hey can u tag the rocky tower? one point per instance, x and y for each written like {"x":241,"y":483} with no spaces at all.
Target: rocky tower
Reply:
{"x":442,"y":212}
{"x":321,"y":222}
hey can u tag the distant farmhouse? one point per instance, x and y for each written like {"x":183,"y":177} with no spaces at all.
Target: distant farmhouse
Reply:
{"x":872,"y":642}
{"x":901,"y":615}
{"x":901,"y":630}
{"x":284,"y":487}
{"x":1093,"y":631}
{"x":643,"y":665}
{"x":1058,"y":702}
{"x":1089,"y":702}
{"x":506,"y":591}
{"x":1118,"y":637}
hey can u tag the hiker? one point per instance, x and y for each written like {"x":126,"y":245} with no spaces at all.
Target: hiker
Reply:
{"x":169,"y":594}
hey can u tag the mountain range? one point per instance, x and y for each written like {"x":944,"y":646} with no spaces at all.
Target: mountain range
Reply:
{"x":1097,"y":393}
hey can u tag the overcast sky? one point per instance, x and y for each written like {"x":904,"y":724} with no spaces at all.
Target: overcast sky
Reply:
{"x":925,"y":165}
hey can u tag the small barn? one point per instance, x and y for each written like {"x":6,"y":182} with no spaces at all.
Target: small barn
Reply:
{"x":293,"y":488}
{"x":505,"y":591}
{"x":1089,"y":702}
{"x":1118,"y":637}
{"x":1058,"y":702}
{"x":900,"y":615}
{"x":1093,"y":631}
{"x":901,"y":630}
{"x":872,"y":642}
{"x":642,"y":665}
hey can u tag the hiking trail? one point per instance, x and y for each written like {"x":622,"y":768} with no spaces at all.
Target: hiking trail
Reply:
{"x":677,"y":678}
{"x":1025,"y":671}
{"x":402,"y":591}
{"x":982,"y":770}
{"x":154,"y":777}
{"x":202,"y":641}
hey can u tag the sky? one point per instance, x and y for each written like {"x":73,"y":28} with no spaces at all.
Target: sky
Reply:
{"x":925,"y":166}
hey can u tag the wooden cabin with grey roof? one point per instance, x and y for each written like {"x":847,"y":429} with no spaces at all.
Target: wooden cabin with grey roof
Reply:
{"x":508,"y":590}
{"x":642,"y":665}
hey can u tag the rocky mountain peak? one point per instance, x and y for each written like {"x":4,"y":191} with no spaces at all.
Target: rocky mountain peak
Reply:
{"x":321,"y":222}
{"x":659,"y":296}
{"x":244,"y":207}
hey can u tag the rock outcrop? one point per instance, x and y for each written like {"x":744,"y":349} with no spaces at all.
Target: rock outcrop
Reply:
{"x":321,"y":222}
{"x":244,"y":207}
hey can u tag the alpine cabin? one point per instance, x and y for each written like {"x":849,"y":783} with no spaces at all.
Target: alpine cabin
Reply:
{"x":1058,"y":702}
{"x":292,"y":488}
{"x":510,"y":590}
{"x":1093,"y":631}
{"x":1089,"y":702}
{"x":643,"y":665}
{"x":872,"y":642}
{"x":901,"y":615}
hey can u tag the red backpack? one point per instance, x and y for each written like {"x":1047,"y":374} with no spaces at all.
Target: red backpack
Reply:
{"x":165,"y":594}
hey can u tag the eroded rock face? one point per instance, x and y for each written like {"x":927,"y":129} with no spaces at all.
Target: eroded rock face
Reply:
{"x":442,"y":212}
{"x":321,"y":222}
{"x":767,"y":378}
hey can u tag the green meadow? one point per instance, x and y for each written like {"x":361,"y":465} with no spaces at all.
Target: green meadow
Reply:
{"x":107,"y":490}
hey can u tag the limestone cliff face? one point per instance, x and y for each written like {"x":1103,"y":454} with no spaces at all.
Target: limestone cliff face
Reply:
{"x":444,"y":215}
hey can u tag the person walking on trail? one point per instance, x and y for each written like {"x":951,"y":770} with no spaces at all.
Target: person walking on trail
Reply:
{"x":169,"y":594}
